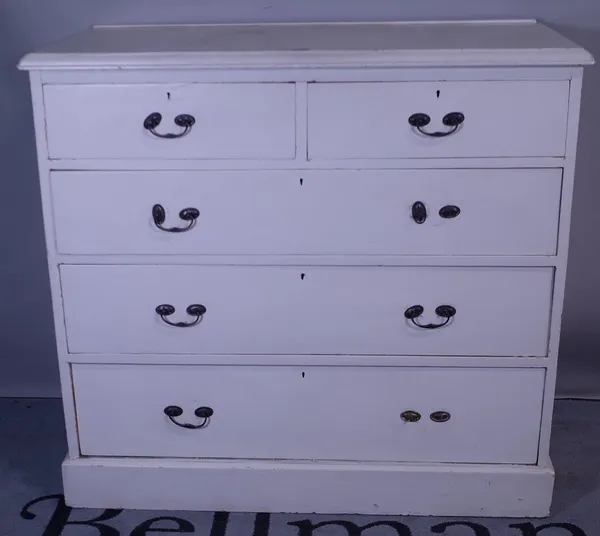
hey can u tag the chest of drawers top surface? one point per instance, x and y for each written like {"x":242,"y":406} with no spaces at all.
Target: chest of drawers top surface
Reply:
{"x":444,"y":44}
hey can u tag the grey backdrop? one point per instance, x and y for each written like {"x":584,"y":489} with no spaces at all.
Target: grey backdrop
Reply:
{"x":28,"y":358}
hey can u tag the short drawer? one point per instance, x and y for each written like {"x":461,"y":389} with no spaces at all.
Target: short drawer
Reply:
{"x":464,"y":415}
{"x":307,"y":310}
{"x":401,"y":212}
{"x":500,"y":119}
{"x":230,"y":121}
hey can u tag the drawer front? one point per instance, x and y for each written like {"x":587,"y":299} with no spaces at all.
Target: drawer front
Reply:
{"x":231,"y":121}
{"x":501,"y":119}
{"x":500,"y":212}
{"x":307,"y":310}
{"x":311,"y":412}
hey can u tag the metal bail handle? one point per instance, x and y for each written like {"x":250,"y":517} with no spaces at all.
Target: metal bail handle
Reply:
{"x":166,"y":309}
{"x":443,"y":311}
{"x":185,"y":121}
{"x":419,"y":212}
{"x":203,"y":412}
{"x":453,"y":120}
{"x":190,"y":215}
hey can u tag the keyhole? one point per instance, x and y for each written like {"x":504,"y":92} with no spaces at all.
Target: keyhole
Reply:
{"x":303,"y":374}
{"x":438,"y":93}
{"x":301,"y":182}
{"x":168,"y":96}
{"x":302,"y":276}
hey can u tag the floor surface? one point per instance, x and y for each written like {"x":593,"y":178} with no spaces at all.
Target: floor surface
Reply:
{"x":32,"y":446}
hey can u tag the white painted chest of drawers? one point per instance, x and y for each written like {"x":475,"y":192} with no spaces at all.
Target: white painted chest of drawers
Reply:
{"x":309,"y":267}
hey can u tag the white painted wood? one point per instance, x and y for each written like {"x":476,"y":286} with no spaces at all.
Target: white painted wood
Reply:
{"x":232,"y":121}
{"x":320,"y":487}
{"x":319,"y":413}
{"x":315,"y":360}
{"x":439,"y":44}
{"x":561,"y":270}
{"x":519,"y":268}
{"x":314,"y":74}
{"x":317,"y":260}
{"x":110,"y":164}
{"x":301,"y":126}
{"x":308,"y":310}
{"x":64,"y":370}
{"x":503,"y":212}
{"x":502,"y":119}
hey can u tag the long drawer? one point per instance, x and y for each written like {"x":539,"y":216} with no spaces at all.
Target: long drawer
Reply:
{"x":456,"y":119}
{"x":119,"y":121}
{"x":307,"y":310}
{"x":401,"y":212}
{"x":416,"y":415}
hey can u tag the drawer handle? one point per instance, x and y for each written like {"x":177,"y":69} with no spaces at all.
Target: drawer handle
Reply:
{"x":202,"y":413}
{"x":453,"y":119}
{"x":410,"y":416}
{"x":443,"y":311}
{"x":187,"y":214}
{"x":419,"y":212}
{"x":449,"y":211}
{"x":195,"y":309}
{"x":185,"y":121}
{"x":440,"y":416}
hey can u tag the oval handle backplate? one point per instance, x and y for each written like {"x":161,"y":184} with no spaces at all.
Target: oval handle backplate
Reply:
{"x":410,"y":416}
{"x":449,"y":211}
{"x":440,"y":416}
{"x":419,"y":212}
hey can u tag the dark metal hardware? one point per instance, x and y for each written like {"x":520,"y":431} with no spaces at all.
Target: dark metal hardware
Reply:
{"x":453,"y":119}
{"x":195,"y":309}
{"x":414,"y":311}
{"x":184,"y":121}
{"x":440,"y":416}
{"x":410,"y":416}
{"x":202,"y":413}
{"x":443,"y":311}
{"x":190,"y":215}
{"x":449,"y":211}
{"x":419,"y":212}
